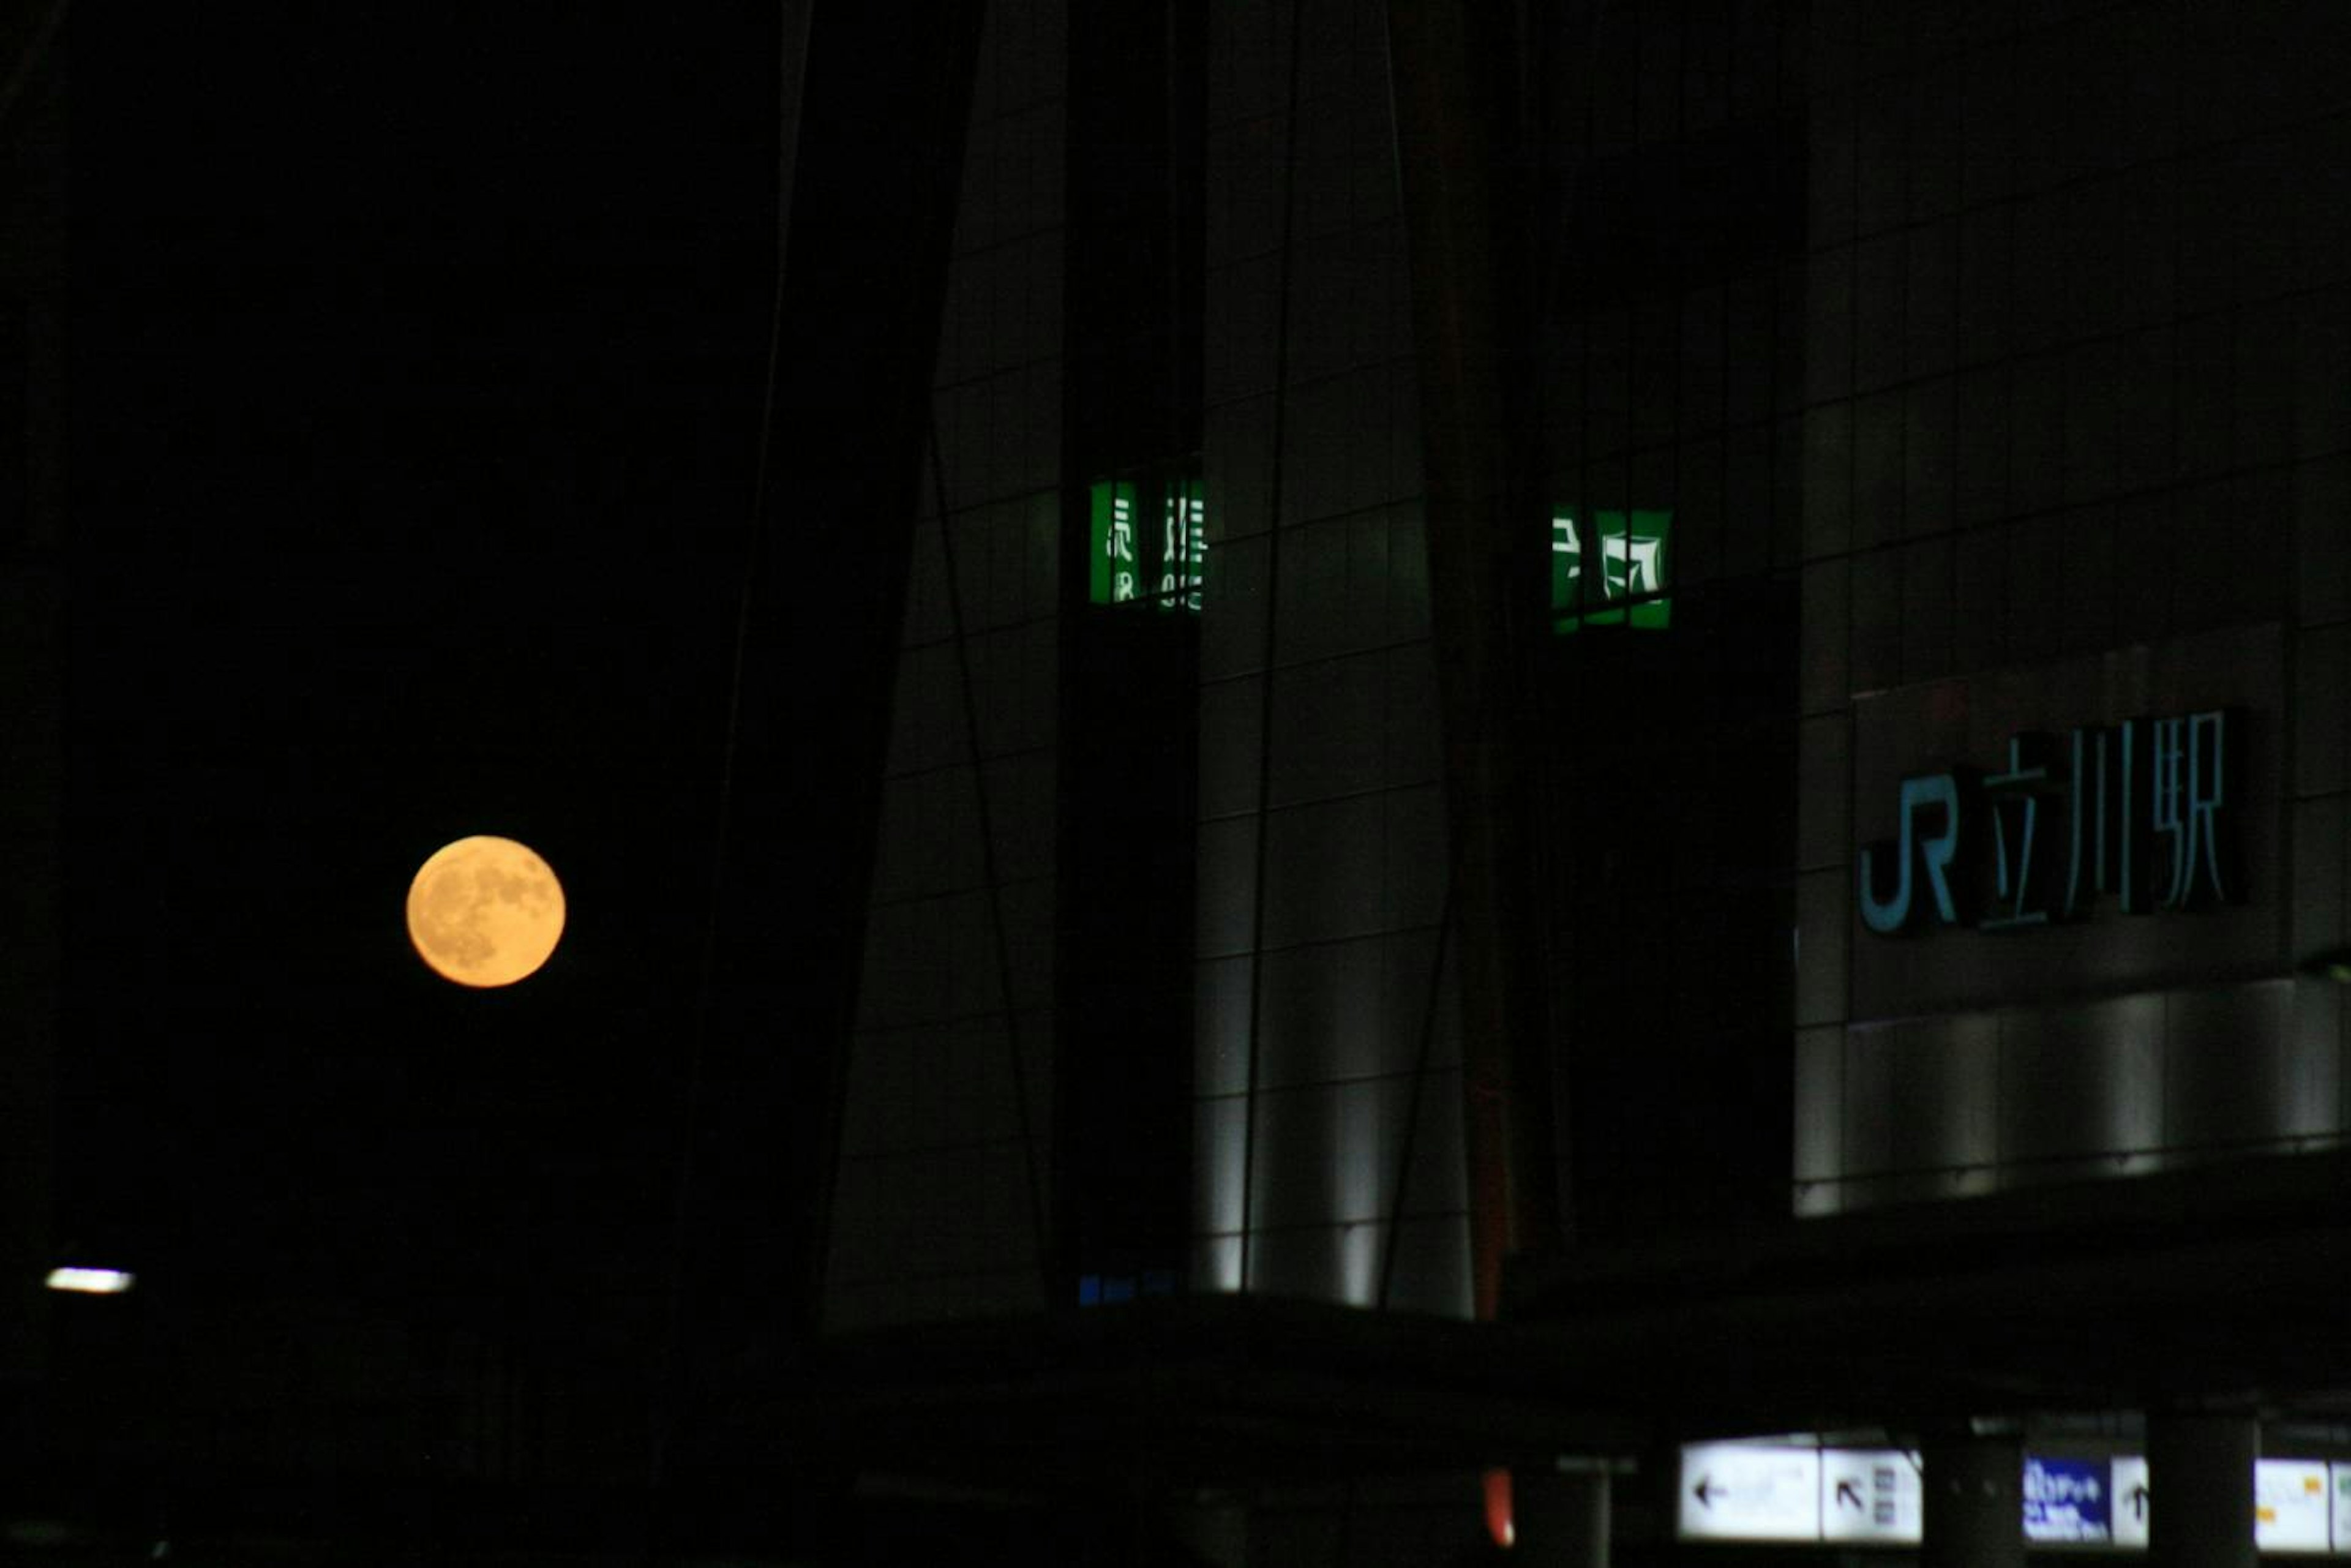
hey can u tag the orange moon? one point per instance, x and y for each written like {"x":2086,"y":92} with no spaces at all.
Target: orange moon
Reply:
{"x":485,"y":912}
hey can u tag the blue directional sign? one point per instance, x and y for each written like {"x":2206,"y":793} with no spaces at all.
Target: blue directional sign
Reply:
{"x":2068,"y":1500}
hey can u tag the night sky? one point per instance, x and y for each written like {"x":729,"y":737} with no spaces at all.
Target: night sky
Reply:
{"x":416,"y":398}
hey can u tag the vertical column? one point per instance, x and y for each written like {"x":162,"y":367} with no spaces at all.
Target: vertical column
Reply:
{"x":1455,"y":131}
{"x":1974,"y":1503}
{"x":1560,"y":1516}
{"x":2200,"y":1469}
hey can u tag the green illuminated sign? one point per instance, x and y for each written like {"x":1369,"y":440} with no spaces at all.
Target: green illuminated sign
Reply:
{"x":1161,"y":564}
{"x":1113,"y":549}
{"x":1629,"y":583}
{"x":1183,"y":545}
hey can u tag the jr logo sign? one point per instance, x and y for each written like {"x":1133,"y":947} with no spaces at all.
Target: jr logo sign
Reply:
{"x":2137,"y":811}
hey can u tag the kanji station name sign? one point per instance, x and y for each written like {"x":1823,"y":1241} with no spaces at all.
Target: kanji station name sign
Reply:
{"x":2139,"y":813}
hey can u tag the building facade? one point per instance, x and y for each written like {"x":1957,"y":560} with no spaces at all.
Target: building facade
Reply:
{"x":1213,"y":864}
{"x":1924,"y":438}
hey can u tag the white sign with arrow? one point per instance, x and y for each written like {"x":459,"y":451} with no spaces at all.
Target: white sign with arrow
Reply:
{"x":1872,"y":1494}
{"x":2130,"y":1500}
{"x":1749,"y":1491}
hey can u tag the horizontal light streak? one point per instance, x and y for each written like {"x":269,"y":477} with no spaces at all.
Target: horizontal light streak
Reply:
{"x":91,"y":1281}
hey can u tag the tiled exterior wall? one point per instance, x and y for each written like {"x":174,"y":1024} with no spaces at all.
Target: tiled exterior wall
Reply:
{"x":1322,"y":836}
{"x":932,"y":1214}
{"x":2079,"y":367}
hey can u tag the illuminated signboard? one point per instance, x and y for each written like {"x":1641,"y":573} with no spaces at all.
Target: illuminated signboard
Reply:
{"x":2130,"y":1496}
{"x":1872,"y":1494}
{"x":2137,"y":811}
{"x":1628,"y":583}
{"x":2066,"y":1501}
{"x":1148,"y":541}
{"x":2291,"y":1508}
{"x":1766,"y":1491}
{"x":1782,"y":1492}
{"x":1749,"y":1491}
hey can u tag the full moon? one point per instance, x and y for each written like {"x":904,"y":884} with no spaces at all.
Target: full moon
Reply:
{"x":485,"y":912}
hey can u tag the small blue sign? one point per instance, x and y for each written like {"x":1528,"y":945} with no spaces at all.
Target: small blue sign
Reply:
{"x":2068,"y":1500}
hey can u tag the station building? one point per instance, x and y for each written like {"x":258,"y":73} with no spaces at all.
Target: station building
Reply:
{"x":1618,"y":726}
{"x":1615,"y":813}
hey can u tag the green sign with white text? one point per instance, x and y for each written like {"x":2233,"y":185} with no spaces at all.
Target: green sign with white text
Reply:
{"x":1626,"y":580}
{"x":1161,"y":563}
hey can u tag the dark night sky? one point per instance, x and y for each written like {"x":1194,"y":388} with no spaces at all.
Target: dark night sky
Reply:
{"x":415,"y":394}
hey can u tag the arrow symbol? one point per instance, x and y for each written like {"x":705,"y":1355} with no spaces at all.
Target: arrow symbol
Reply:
{"x":2138,"y":1501}
{"x":1848,"y":1492}
{"x":1706,"y":1491}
